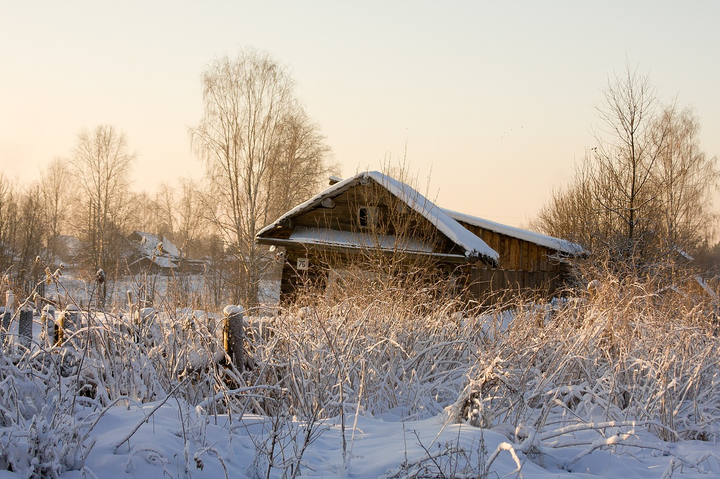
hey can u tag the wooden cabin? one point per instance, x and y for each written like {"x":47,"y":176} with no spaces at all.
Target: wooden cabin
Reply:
{"x":372,"y":215}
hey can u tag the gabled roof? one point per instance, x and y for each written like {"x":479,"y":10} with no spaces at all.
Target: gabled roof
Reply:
{"x":161,"y":252}
{"x":151,"y":245}
{"x":557,"y":244}
{"x":473,"y":246}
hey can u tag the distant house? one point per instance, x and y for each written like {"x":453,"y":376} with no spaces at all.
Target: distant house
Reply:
{"x":372,"y":212}
{"x":152,"y":253}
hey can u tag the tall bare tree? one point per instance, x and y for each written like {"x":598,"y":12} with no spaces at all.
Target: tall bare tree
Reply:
{"x":296,"y":174}
{"x":244,"y":138}
{"x":8,"y":221}
{"x":684,"y":179}
{"x":57,"y":196}
{"x":626,"y":152}
{"x":188,"y":216}
{"x":31,"y":234}
{"x":102,"y":164}
{"x":642,"y":194}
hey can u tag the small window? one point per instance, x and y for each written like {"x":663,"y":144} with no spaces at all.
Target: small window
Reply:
{"x":367,"y":216}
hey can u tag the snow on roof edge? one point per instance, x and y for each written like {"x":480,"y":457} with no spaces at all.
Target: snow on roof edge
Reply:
{"x":326,"y":236}
{"x":558,"y":244}
{"x":474,"y":246}
{"x":333,"y":190}
{"x":444,"y":219}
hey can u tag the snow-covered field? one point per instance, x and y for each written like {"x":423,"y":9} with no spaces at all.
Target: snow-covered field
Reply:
{"x":379,"y":384}
{"x":174,"y":441}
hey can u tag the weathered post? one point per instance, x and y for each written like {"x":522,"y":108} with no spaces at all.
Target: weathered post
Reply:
{"x":233,"y":335}
{"x":9,"y":299}
{"x":25,"y":326}
{"x":5,"y":317}
{"x":69,"y":322}
{"x":48,"y":324}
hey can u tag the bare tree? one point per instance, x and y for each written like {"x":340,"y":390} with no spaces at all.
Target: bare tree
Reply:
{"x":643,"y":193}
{"x":57,"y":196}
{"x":243,"y":139}
{"x":297,"y":174}
{"x":188,"y":216}
{"x":30,"y":235}
{"x":624,"y":158}
{"x":684,"y":179}
{"x":8,"y":222}
{"x":571,"y":212}
{"x":102,"y":165}
{"x":22,"y":234}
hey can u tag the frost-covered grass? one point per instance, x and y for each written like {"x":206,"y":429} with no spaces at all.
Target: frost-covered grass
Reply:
{"x":396,"y":380}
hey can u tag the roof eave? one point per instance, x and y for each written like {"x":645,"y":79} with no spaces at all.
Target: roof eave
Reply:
{"x":469,"y":257}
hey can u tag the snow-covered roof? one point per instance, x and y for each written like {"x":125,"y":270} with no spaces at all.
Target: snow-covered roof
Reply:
{"x":556,"y":244}
{"x":151,"y":245}
{"x":163,"y":253}
{"x":327,"y":236}
{"x":474,"y":247}
{"x":161,"y":261}
{"x":169,"y":248}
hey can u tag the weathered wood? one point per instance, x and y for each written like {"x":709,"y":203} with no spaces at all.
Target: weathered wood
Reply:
{"x":5,"y":317}
{"x":47,"y":319}
{"x":25,"y":326}
{"x":234,"y":335}
{"x":519,"y":267}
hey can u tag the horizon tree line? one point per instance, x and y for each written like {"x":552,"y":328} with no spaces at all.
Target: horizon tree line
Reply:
{"x":640,"y":198}
{"x":262,"y":155}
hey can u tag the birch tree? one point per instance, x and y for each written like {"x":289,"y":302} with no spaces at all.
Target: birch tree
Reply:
{"x":684,"y":179}
{"x":57,"y":193}
{"x":243,"y":138}
{"x":642,"y":195}
{"x":102,"y":164}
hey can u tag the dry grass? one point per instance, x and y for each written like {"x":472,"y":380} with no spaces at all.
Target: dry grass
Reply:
{"x":625,"y":356}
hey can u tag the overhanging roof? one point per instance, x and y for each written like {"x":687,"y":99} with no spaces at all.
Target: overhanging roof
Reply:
{"x":474,"y":247}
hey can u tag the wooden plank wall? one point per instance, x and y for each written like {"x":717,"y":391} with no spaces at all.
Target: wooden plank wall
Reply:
{"x":488,"y":284}
{"x":516,"y":254}
{"x":523,"y":266}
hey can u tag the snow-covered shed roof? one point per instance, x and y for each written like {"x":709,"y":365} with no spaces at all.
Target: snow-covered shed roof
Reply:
{"x":353,"y":239}
{"x":151,"y":245}
{"x":161,"y":252}
{"x":550,"y":242}
{"x":474,"y":247}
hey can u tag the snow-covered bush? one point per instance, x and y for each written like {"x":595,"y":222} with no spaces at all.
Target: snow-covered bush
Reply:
{"x":51,"y":396}
{"x":591,"y":370}
{"x":585,"y":370}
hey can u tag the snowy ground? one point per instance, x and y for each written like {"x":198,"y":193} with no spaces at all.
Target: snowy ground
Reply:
{"x":377,"y":447}
{"x":568,"y":425}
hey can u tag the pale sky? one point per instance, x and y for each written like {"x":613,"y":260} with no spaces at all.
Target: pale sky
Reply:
{"x":495,"y":101}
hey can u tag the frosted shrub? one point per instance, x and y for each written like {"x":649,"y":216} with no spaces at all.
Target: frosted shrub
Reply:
{"x":371,"y":349}
{"x":52,"y":397}
{"x":626,"y":352}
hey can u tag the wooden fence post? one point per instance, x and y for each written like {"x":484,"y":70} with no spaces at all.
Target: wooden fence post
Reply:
{"x":9,"y":299}
{"x":48,"y":324}
{"x":233,"y":335}
{"x":69,"y":322}
{"x":25,"y":326}
{"x":5,"y":317}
